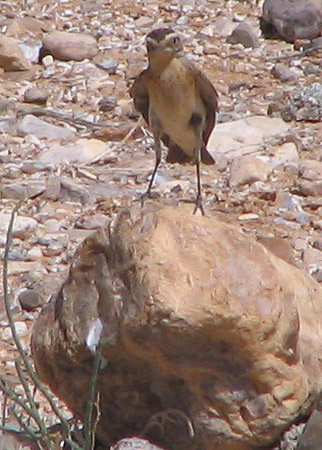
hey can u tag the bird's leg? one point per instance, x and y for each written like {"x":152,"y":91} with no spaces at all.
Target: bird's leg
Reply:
{"x":197,"y":157}
{"x":157,"y":148}
{"x":199,"y":197}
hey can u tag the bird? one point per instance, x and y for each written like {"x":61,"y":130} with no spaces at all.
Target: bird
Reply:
{"x":178,"y":103}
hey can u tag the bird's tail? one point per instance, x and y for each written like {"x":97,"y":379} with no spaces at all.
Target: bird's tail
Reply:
{"x":177,"y":155}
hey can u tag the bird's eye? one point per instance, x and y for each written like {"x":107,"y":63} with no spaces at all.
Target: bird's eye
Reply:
{"x":176,"y":39}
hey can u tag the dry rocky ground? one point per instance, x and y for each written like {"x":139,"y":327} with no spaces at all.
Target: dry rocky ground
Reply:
{"x":76,"y":176}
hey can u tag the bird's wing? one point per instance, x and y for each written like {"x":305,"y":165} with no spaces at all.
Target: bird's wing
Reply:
{"x":140,"y":95}
{"x":209,"y":97}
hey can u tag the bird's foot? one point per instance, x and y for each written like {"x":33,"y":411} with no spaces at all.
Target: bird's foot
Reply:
{"x":144,"y":197}
{"x":199,"y":206}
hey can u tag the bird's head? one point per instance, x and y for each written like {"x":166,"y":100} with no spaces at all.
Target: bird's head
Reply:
{"x":163,"y":43}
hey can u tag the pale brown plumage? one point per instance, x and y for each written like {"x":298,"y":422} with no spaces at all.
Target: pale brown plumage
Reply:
{"x":178,"y":103}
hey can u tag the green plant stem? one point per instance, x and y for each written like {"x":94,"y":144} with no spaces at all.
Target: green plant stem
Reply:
{"x":25,"y":358}
{"x":89,"y":425}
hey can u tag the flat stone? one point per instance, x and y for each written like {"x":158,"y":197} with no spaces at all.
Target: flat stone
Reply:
{"x":20,"y":26}
{"x":248,"y":216}
{"x":310,"y":169}
{"x":70,"y":46}
{"x":54,"y":249}
{"x":109,"y":65}
{"x":34,"y":254}
{"x":35,"y":95}
{"x":23,"y":226}
{"x":20,"y":267}
{"x":21,"y":329}
{"x":31,"y":50}
{"x":244,"y":136}
{"x":285,"y":154}
{"x":32,"y":125}
{"x":92,"y":222}
{"x":82,"y":151}
{"x":8,"y":125}
{"x":31,"y":167}
{"x":312,"y":258}
{"x":285,"y":73}
{"x":144,"y":21}
{"x":73,"y":192}
{"x":313,"y":189}
{"x":248,"y":169}
{"x":52,"y":225}
{"x":28,"y":189}
{"x":243,"y":34}
{"x":30,"y":299}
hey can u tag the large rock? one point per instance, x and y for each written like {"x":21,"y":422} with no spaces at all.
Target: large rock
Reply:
{"x":292,"y":19}
{"x":245,"y":136}
{"x":70,"y":46}
{"x":30,"y":124}
{"x":81,"y":151}
{"x":11,"y":57}
{"x":209,"y":340}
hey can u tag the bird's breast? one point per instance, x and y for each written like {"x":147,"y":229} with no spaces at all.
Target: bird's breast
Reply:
{"x":173,"y":99}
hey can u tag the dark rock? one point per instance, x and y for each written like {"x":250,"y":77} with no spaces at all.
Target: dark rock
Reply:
{"x":35,"y":95}
{"x":243,"y":34}
{"x":311,"y":438}
{"x":30,"y":299}
{"x":285,"y":73}
{"x":312,"y":68}
{"x":292,"y":19}
{"x":11,"y":57}
{"x":107,"y":104}
{"x":29,"y":189}
{"x":73,"y":192}
{"x":109,"y":65}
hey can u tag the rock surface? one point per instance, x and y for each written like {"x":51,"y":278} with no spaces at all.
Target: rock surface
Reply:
{"x":35,"y":95}
{"x":248,"y":169}
{"x":244,"y":35}
{"x":294,"y":19}
{"x":202,"y":329}
{"x":42,"y":129}
{"x":70,"y":46}
{"x":11,"y":57}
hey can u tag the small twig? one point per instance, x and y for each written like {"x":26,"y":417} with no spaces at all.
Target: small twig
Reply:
{"x":42,"y":388}
{"x":29,"y":433}
{"x":294,"y":54}
{"x":36,"y":416}
{"x":64,"y":118}
{"x":98,"y":415}
{"x":4,"y":409}
{"x":16,"y":399}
